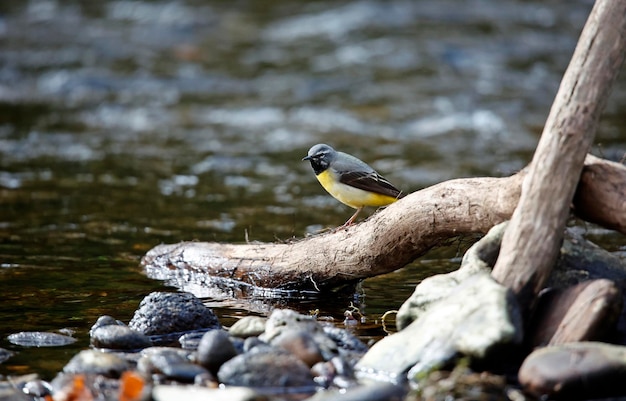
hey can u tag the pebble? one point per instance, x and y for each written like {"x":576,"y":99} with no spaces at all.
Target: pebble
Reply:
{"x":301,"y":344}
{"x":105,"y":320}
{"x":162,"y":313}
{"x":119,"y":338}
{"x":284,"y":319}
{"x":214,"y":349}
{"x":263,"y":367}
{"x":96,"y":362}
{"x":248,"y":326}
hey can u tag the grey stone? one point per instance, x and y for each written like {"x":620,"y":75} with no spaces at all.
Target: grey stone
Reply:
{"x":248,"y":326}
{"x":118,"y":337}
{"x":478,"y":317}
{"x":96,"y":362}
{"x":282,"y":320}
{"x":287,"y":319}
{"x":301,"y":344}
{"x":266,"y":368}
{"x":163,"y":313}
{"x":214,"y":349}
{"x":478,"y":258}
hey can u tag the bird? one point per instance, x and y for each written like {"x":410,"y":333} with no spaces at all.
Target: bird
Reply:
{"x":350,"y":180}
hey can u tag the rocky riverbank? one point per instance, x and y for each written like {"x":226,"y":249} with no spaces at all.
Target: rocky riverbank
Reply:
{"x":461,"y":337}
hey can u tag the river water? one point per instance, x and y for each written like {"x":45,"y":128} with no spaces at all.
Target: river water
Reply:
{"x":125,"y":124}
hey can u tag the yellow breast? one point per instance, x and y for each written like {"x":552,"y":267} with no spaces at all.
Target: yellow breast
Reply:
{"x":351,"y":196}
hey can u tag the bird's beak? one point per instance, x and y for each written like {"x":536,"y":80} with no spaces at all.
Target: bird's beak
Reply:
{"x":306,"y":158}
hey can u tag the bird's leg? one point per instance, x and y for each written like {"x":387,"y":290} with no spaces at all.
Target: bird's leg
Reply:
{"x":351,"y":219}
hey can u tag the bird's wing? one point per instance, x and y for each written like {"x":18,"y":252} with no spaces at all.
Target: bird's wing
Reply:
{"x":370,"y":181}
{"x":356,"y":173}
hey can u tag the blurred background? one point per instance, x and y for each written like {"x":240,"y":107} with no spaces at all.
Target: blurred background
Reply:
{"x":125,"y":124}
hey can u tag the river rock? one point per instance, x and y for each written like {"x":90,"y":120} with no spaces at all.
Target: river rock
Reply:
{"x":248,"y":326}
{"x":96,"y":362}
{"x":159,"y":359}
{"x":40,"y":339}
{"x":584,"y":312}
{"x":119,"y":337}
{"x":214,"y":349}
{"x":581,"y":260}
{"x":264,"y":367}
{"x":575,"y":371}
{"x":477,"y":318}
{"x":480,"y":257}
{"x":282,"y":320}
{"x":162,"y":313}
{"x":301,"y":344}
{"x":287,"y":319}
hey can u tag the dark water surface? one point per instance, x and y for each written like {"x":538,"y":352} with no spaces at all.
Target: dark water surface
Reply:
{"x":125,"y":124}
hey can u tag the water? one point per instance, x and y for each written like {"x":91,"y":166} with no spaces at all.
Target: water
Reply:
{"x":125,"y":124}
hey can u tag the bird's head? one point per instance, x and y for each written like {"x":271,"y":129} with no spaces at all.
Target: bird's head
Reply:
{"x":320,"y":156}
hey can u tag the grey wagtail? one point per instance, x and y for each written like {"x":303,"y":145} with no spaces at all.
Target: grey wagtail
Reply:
{"x":350,"y":180}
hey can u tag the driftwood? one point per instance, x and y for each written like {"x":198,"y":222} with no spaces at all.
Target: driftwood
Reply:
{"x":390,"y":238}
{"x":533,"y":238}
{"x":410,"y":227}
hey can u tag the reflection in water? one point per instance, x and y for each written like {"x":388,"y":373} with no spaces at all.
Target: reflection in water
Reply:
{"x":125,"y":124}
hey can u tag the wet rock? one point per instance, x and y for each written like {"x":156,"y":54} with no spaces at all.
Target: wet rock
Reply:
{"x":96,"y":362}
{"x":162,"y":313}
{"x":40,"y":339}
{"x":266,"y":368}
{"x":581,"y":260}
{"x":214,"y":349}
{"x":248,"y":326}
{"x":377,"y":391}
{"x":584,"y":312}
{"x":575,"y":371}
{"x":118,"y":337}
{"x":344,"y":339}
{"x":301,"y":344}
{"x":282,"y":320}
{"x":286,"y":319}
{"x":476,"y":319}
{"x":190,"y":341}
{"x":173,"y":363}
{"x":105,"y":320}
{"x":169,"y":393}
{"x":480,"y":257}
